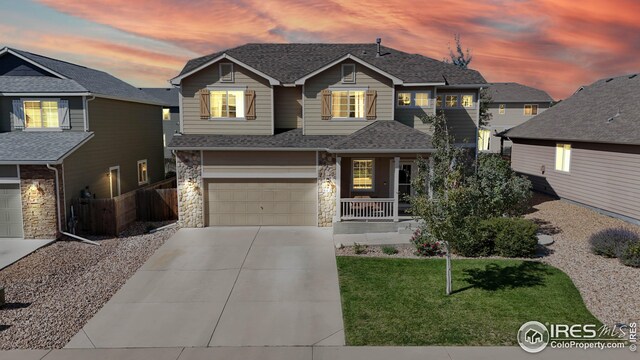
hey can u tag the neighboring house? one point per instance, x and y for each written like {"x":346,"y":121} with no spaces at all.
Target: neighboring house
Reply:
{"x":73,"y":126}
{"x":311,"y":134}
{"x":587,"y":148}
{"x":512,"y":104}
{"x":170,"y":119}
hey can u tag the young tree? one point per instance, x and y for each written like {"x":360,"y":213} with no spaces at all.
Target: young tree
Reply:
{"x":445,"y":205}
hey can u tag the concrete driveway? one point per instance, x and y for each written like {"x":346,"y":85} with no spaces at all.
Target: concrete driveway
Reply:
{"x":227,"y":286}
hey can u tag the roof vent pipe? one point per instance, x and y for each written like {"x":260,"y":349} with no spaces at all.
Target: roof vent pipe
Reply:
{"x":378,"y":41}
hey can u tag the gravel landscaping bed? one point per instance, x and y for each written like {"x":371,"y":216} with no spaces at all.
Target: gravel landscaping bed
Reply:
{"x":53,"y":292}
{"x":609,"y":289}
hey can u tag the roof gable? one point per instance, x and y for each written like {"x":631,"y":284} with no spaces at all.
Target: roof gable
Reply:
{"x":290,"y":62}
{"x":514,"y":92}
{"x":11,"y":65}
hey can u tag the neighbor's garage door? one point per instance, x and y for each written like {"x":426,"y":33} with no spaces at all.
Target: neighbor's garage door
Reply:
{"x":10,"y":211}
{"x":261,"y":202}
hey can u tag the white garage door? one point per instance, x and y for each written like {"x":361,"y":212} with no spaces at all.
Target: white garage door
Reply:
{"x":10,"y":211}
{"x":261,"y":202}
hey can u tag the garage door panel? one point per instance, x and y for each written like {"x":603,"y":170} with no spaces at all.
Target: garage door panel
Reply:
{"x":261,"y":202}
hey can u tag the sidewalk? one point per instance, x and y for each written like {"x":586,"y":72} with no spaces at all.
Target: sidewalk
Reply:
{"x":316,"y":353}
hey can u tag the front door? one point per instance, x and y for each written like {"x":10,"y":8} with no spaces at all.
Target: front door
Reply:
{"x":405,"y":177}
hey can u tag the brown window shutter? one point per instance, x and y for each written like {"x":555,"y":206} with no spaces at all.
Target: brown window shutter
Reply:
{"x":326,"y":104}
{"x":370,"y":101}
{"x":250,"y":104}
{"x":205,"y":110}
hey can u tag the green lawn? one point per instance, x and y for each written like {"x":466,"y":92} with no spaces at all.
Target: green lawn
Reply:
{"x":402,"y":301}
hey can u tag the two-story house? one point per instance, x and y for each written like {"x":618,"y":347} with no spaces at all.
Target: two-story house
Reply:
{"x":511,"y":105}
{"x":170,"y":120}
{"x":311,"y":134}
{"x":68,"y":131}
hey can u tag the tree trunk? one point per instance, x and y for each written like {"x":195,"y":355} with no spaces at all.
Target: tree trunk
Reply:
{"x":446,"y":244}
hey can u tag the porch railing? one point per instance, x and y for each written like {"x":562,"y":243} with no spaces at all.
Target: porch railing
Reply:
{"x":366,"y":209}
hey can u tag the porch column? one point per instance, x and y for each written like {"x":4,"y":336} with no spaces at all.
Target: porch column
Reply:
{"x":396,"y":179}
{"x":338,"y":211}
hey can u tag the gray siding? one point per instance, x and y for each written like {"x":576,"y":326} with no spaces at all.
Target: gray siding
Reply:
{"x":463,"y":122}
{"x":412,"y":116}
{"x":288,"y":107}
{"x":513,"y":116}
{"x":603,"y":176}
{"x":243,"y":78}
{"x":169,"y":128}
{"x":125,"y":132}
{"x":76,"y":114}
{"x":332,"y":77}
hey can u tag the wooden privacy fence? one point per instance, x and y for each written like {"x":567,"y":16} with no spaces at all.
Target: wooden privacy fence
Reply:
{"x":157,"y":202}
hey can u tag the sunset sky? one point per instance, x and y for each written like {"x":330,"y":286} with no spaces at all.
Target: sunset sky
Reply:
{"x":556,"y":45}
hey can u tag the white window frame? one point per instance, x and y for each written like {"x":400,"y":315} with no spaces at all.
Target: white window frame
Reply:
{"x":524,"y":109}
{"x":230,"y":72}
{"x":480,"y":148}
{"x":502,"y":109}
{"x":459,"y":102}
{"x":345,"y":80}
{"x":146,"y":179}
{"x":227,"y":89}
{"x":42,"y":128}
{"x":445,"y":102}
{"x":364,"y":112}
{"x":412,"y":97}
{"x":373,"y":175}
{"x":565,"y":163}
{"x":473,"y":101}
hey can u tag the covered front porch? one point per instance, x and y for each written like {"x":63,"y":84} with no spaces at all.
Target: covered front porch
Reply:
{"x":374,"y":187}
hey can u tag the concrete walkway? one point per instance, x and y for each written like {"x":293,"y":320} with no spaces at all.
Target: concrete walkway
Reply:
{"x":12,"y":250}
{"x":317,"y":353}
{"x":227,"y":286}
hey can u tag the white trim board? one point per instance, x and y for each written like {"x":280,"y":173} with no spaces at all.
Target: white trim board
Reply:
{"x":396,"y":81}
{"x":176,"y":80}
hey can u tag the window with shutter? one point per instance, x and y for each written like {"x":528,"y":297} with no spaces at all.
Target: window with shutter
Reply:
{"x":371,"y":101}
{"x":325,"y":108}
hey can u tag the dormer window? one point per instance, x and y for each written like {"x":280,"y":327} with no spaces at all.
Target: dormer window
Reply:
{"x":226,"y":72}
{"x":348,"y":73}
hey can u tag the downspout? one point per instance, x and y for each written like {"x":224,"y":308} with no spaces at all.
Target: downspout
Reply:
{"x":86,"y":112}
{"x":58,"y":211}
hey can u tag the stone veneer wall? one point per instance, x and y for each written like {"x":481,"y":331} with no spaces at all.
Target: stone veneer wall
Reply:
{"x":39,"y":212}
{"x":326,"y":189}
{"x":190,"y":189}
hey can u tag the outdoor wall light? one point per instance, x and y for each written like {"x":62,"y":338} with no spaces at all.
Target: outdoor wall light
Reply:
{"x":35,"y":186}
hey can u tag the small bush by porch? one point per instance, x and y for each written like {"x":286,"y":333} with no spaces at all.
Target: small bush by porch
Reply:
{"x":403,"y":302}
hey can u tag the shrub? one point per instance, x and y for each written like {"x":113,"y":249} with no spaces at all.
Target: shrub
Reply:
{"x":512,"y":237}
{"x":359,"y":249}
{"x":630,"y":256}
{"x":425,"y":244}
{"x":612,"y":242}
{"x":389,"y":250}
{"x":474,"y":241}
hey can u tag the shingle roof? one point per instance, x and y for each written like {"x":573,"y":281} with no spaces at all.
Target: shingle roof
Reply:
{"x":289,"y":62}
{"x":45,"y":84}
{"x":169,"y":96}
{"x":88,"y":80}
{"x":377,"y":136}
{"x":607,"y":111}
{"x":514,"y":92}
{"x":385,"y":135}
{"x":39,"y":147}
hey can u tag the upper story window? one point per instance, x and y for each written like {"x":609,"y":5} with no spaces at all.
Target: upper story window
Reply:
{"x":439,"y":101}
{"x":40,"y":114}
{"x":451,"y":101}
{"x":226,"y":103}
{"x":347,"y":104}
{"x":362,"y":175}
{"x":143,"y":175}
{"x":414,"y":99}
{"x":501,"y":109}
{"x":467,"y":101}
{"x":484,"y":138}
{"x":563,"y":157}
{"x":531,"y":110}
{"x":348,"y":73}
{"x":226,"y":72}
{"x":166,"y":114}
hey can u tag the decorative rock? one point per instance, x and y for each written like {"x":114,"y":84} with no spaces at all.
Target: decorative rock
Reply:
{"x":545,"y":239}
{"x":326,"y":189}
{"x":190,"y":195}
